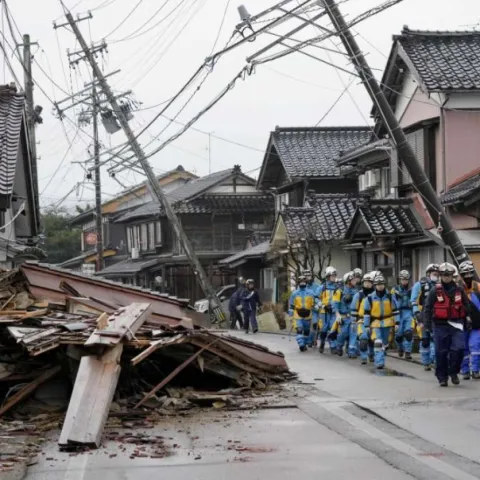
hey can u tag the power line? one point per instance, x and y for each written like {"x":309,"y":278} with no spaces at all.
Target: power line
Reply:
{"x":131,"y":12}
{"x":132,"y":36}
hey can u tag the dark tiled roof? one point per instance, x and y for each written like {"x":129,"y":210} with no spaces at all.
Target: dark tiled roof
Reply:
{"x":384,"y":221}
{"x":313,"y":152}
{"x":463,"y":190}
{"x":185,"y":192}
{"x":234,"y":203}
{"x":369,"y":147}
{"x":444,"y":61}
{"x":252,"y":252}
{"x":11,"y":116}
{"x":128,"y":267}
{"x":326,"y":218}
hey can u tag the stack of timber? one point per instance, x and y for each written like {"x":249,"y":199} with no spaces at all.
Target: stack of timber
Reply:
{"x":114,"y":343}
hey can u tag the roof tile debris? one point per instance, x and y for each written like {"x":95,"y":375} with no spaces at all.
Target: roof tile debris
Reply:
{"x":11,"y":116}
{"x":445,"y":61}
{"x":314,"y":152}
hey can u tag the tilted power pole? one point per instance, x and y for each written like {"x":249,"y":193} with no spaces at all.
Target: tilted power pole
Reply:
{"x":405,"y":152}
{"x":32,"y":117}
{"x":98,"y":184}
{"x":155,"y":189}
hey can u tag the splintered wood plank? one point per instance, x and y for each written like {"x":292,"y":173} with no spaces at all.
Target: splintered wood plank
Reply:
{"x":29,"y":389}
{"x":91,"y":398}
{"x":123,"y":325}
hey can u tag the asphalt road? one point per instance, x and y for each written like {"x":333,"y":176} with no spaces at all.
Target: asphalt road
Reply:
{"x":344,"y":421}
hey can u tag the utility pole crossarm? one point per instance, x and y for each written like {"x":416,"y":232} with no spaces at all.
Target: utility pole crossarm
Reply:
{"x":154,"y":186}
{"x":405,"y":151}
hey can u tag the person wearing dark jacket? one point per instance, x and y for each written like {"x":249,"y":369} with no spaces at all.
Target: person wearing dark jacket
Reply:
{"x":446,"y":317}
{"x":250,"y":302}
{"x":235,"y":305}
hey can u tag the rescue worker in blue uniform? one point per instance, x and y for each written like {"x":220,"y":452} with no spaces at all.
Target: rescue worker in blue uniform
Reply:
{"x":316,"y":289}
{"x":302,"y":303}
{"x":342,"y":302}
{"x":446,"y":314}
{"x":380,"y":316}
{"x":420,"y":292}
{"x":471,"y":356}
{"x":358,"y":275}
{"x":404,"y":330}
{"x":250,"y":302}
{"x":327,"y":292}
{"x":359,"y":340}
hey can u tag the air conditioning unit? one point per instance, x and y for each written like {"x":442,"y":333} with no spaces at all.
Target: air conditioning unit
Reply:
{"x":135,"y":253}
{"x":371,"y":180}
{"x":361,"y":183}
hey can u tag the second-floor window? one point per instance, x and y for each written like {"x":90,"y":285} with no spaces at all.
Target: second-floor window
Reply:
{"x":145,"y":236}
{"x":281,"y":201}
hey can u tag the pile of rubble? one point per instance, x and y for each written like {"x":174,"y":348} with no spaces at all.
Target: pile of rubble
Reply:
{"x":121,"y":350}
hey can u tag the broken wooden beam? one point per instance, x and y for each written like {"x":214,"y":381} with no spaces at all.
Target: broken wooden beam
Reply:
{"x":29,"y":389}
{"x":174,"y":374}
{"x":125,"y":324}
{"x":92,"y":395}
{"x":97,"y":380}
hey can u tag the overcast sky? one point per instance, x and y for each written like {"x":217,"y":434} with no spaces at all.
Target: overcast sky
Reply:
{"x":162,"y":51}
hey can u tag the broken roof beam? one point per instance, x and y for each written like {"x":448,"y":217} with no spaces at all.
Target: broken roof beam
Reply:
{"x":92,"y":395}
{"x":122,"y":324}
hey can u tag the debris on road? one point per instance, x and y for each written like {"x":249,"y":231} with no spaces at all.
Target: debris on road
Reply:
{"x":128,"y":354}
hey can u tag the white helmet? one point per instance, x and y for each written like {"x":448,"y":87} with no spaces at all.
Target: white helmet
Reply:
{"x":466,"y":268}
{"x":447,"y":269}
{"x":432,"y":267}
{"x":357,"y":272}
{"x":404,"y":275}
{"x":348,"y":277}
{"x":329,"y":271}
{"x":368,"y":277}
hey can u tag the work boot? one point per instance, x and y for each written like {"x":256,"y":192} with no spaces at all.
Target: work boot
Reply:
{"x":476,"y":375}
{"x":255,"y":330}
{"x":400,"y":353}
{"x":455,"y":379}
{"x":352,"y":356}
{"x":364,"y":361}
{"x":371,"y":358}
{"x":246,"y":331}
{"x":380,"y":367}
{"x":340,"y":352}
{"x":303,"y":348}
{"x":322,"y":347}
{"x":408,"y":356}
{"x":443,"y":383}
{"x":466,"y":376}
{"x":427,"y":368}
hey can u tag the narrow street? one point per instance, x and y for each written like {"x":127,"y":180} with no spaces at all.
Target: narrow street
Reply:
{"x":341,"y":420}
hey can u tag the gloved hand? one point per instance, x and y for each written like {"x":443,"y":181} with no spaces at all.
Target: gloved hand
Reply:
{"x":468,"y":324}
{"x":418,"y":317}
{"x":239,"y":308}
{"x":338,"y":318}
{"x":397,"y":326}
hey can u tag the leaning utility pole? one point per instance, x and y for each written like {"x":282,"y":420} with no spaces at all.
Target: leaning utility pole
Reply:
{"x":405,"y":151}
{"x":155,"y":189}
{"x":32,"y":117}
{"x":98,"y":185}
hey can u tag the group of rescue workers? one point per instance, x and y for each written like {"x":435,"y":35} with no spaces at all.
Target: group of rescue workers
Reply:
{"x":362,"y":317}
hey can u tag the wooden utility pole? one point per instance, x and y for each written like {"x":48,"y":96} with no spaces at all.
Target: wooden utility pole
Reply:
{"x":32,"y":117}
{"x":155,"y":189}
{"x":405,"y":152}
{"x":98,"y":184}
